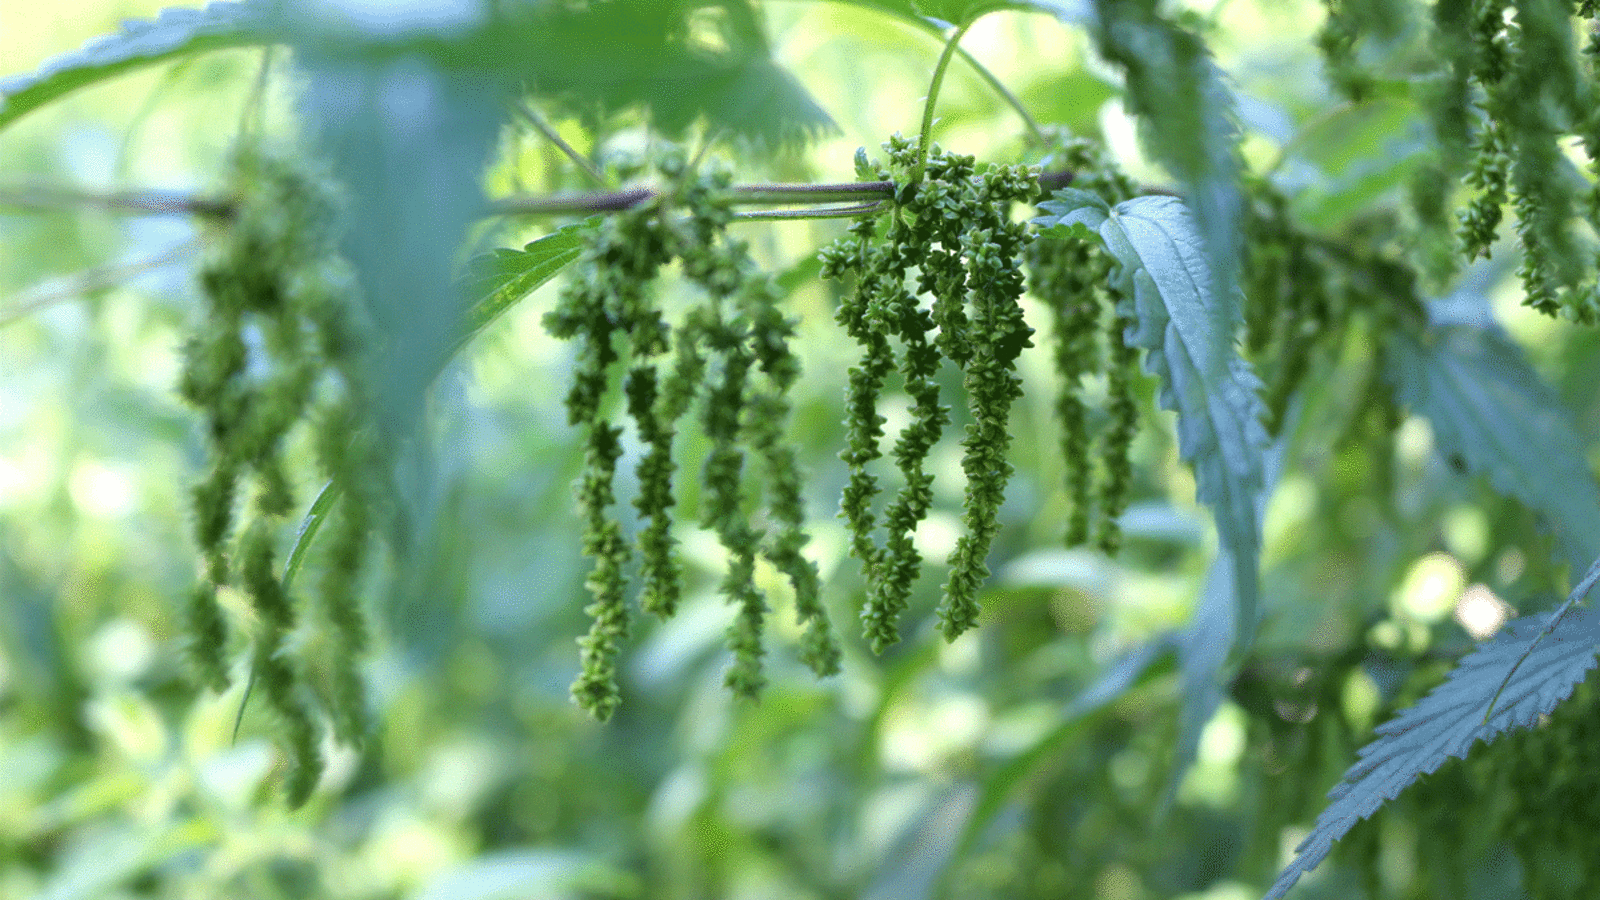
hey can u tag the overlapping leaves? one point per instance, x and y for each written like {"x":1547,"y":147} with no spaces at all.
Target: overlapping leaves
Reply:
{"x":682,"y":61}
{"x":1187,"y":327}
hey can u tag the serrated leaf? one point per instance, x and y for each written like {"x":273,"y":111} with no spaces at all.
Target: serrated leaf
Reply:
{"x":303,"y":539}
{"x":173,"y":33}
{"x":1073,"y":211}
{"x":1448,"y":721}
{"x":498,"y":280}
{"x":1187,"y":327}
{"x":1187,"y":121}
{"x":1188,"y":330}
{"x":627,"y":53}
{"x":1491,"y":412}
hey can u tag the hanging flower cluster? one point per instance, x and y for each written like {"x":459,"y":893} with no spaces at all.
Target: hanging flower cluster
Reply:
{"x":729,"y":354}
{"x":282,"y":346}
{"x":1073,"y":278}
{"x":953,"y":225}
{"x":1511,"y":86}
{"x":938,"y":276}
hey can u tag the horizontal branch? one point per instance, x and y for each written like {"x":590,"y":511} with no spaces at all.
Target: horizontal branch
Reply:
{"x":861,"y":194}
{"x":860,"y":198}
{"x":154,"y":203}
{"x":99,"y":278}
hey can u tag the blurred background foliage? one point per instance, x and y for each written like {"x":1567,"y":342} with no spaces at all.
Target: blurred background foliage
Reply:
{"x":971,"y":769}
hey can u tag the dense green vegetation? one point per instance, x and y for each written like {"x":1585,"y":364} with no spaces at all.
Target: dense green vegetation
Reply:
{"x":984,"y":448}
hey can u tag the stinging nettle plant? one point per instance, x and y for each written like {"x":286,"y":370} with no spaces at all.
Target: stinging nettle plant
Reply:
{"x":1222,"y":289}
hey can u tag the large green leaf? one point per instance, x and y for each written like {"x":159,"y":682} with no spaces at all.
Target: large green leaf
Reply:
{"x":1187,"y":121}
{"x":1528,"y":684}
{"x":602,"y":57}
{"x":1187,"y":326}
{"x":409,"y":141}
{"x":1493,"y":414}
{"x":173,"y":33}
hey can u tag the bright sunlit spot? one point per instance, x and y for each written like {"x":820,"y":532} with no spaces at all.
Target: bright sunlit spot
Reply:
{"x":1481,"y":612}
{"x":1430,"y":589}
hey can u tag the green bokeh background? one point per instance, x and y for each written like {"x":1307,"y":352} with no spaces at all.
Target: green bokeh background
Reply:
{"x":482,"y":781}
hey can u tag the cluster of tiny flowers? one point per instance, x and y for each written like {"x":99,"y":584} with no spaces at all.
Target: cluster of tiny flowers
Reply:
{"x":730,"y":353}
{"x":281,"y":345}
{"x":1533,"y":92}
{"x":1292,"y":305}
{"x":954,"y":228}
{"x":1073,"y":278}
{"x":1510,"y":87}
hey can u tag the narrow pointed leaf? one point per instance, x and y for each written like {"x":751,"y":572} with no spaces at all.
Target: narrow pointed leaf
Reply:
{"x":1448,"y":721}
{"x":309,"y":526}
{"x":500,"y":279}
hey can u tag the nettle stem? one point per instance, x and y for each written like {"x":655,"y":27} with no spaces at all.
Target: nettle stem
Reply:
{"x":933,"y":98}
{"x":859,"y":195}
{"x":857,"y":199}
{"x":47,"y":198}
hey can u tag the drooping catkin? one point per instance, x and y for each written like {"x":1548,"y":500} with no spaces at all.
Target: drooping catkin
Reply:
{"x":283,"y":340}
{"x":953,"y":228}
{"x":728,"y":356}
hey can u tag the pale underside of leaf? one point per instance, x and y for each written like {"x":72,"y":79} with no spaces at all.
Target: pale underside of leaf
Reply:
{"x":1450,"y":719}
{"x":1188,"y":333}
